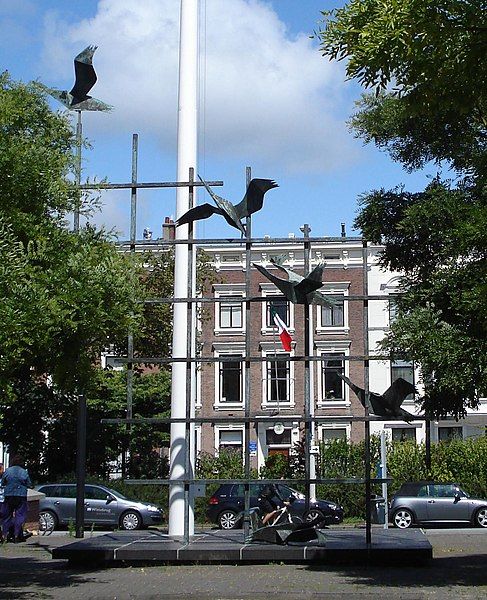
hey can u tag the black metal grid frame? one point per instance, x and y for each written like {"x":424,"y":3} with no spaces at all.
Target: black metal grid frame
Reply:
{"x":308,"y":418}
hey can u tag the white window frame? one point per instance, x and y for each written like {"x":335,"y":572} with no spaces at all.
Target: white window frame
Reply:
{"x":197,"y":439}
{"x":228,"y":349}
{"x":106,"y":357}
{"x":263,"y":448}
{"x":230,"y":291}
{"x":339,"y":288}
{"x":269,"y":349}
{"x":392,"y":363}
{"x":449,"y":426}
{"x":229,"y":427}
{"x":330,"y":426}
{"x":268,"y":290}
{"x":335,"y":347}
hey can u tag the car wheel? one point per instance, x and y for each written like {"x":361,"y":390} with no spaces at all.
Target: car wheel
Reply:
{"x":481,"y":517}
{"x":48,"y":520}
{"x":227,"y":519}
{"x":314,"y":516}
{"x":403,"y":518}
{"x":130,"y":520}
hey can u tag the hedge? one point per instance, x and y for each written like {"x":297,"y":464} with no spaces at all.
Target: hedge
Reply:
{"x":461,"y":461}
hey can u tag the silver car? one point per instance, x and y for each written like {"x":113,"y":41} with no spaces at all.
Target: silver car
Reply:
{"x":103,"y":506}
{"x":426,"y":501}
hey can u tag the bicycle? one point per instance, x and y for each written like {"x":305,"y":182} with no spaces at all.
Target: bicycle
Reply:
{"x":283,"y":516}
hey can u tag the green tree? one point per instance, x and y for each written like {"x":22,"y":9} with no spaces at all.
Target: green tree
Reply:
{"x":65,"y":296}
{"x":425,"y":59}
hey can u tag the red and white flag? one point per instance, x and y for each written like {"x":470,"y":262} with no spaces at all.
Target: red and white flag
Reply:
{"x":284,"y":334}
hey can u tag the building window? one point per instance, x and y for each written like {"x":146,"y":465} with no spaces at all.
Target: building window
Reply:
{"x":393,"y":309}
{"x":278,"y":443}
{"x":230,"y":439}
{"x":445,"y":434}
{"x":404,"y":369}
{"x":332,"y":385}
{"x":281,"y":306}
{"x":403,"y":434}
{"x":278,"y":378}
{"x":336,"y":433}
{"x":333,"y":316}
{"x":230,"y":314}
{"x":275,"y":439}
{"x":230,"y":379}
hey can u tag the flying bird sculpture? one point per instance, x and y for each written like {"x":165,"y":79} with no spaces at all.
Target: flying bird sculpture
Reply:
{"x":315,"y":297}
{"x":298,"y":290}
{"x":85,"y":79}
{"x":232,"y":213}
{"x":389,"y":403}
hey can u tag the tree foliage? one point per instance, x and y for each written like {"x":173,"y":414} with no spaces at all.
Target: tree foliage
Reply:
{"x":425,"y":59}
{"x":66,"y":296}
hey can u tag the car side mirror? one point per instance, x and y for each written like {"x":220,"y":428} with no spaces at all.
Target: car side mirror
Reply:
{"x":457,"y":497}
{"x":110,"y":499}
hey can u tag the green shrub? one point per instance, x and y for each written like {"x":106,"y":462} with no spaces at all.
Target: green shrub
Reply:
{"x":461,"y":461}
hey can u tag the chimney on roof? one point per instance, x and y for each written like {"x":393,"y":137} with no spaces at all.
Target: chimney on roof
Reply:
{"x":344,"y":233}
{"x":168,"y":229}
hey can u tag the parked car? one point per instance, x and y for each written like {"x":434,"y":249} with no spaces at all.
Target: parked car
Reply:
{"x":227,"y":503}
{"x":103,"y":506}
{"x":430,"y":502}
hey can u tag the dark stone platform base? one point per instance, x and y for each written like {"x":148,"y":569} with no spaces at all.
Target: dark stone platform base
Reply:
{"x":388,"y":546}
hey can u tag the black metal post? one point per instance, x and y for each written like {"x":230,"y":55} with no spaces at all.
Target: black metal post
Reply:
{"x":188,"y":463}
{"x":79,"y":142}
{"x":246,"y":437}
{"x":307,"y":376}
{"x":130,"y":337}
{"x":81,"y":466}
{"x":368,"y":520}
{"x":427,"y":425}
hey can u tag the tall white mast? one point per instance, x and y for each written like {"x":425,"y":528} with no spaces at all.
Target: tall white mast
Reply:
{"x":187,"y":154}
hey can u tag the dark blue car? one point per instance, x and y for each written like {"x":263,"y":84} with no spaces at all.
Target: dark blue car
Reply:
{"x":226,"y":505}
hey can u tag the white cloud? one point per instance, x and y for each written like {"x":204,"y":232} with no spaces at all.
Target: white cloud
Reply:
{"x":268,"y":98}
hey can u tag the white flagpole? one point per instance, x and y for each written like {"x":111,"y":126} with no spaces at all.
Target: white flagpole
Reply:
{"x":187,"y":154}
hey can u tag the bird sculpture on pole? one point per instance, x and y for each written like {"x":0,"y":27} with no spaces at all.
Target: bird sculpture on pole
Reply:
{"x":85,"y":78}
{"x":316,"y":297}
{"x":297,"y":289}
{"x":387,"y":404}
{"x":232,"y":213}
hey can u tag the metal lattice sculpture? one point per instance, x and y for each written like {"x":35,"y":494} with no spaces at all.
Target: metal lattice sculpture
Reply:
{"x":232,"y":213}
{"x":85,"y":79}
{"x":389,"y":403}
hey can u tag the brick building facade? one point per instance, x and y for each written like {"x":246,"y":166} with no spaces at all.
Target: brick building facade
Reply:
{"x":277,"y":384}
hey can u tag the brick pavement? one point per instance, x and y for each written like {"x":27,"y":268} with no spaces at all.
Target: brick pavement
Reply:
{"x":459,"y":567}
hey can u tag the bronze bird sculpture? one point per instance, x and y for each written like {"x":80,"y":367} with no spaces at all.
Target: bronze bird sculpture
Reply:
{"x":316,"y":297}
{"x":232,"y":213}
{"x":298,"y":290}
{"x":85,"y":79}
{"x":387,"y":404}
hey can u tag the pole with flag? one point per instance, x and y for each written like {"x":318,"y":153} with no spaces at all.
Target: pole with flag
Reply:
{"x":284,"y":334}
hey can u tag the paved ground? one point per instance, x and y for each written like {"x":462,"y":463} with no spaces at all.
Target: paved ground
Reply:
{"x":459,"y":568}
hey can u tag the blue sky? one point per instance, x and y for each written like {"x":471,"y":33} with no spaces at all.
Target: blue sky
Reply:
{"x":267,"y":100}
